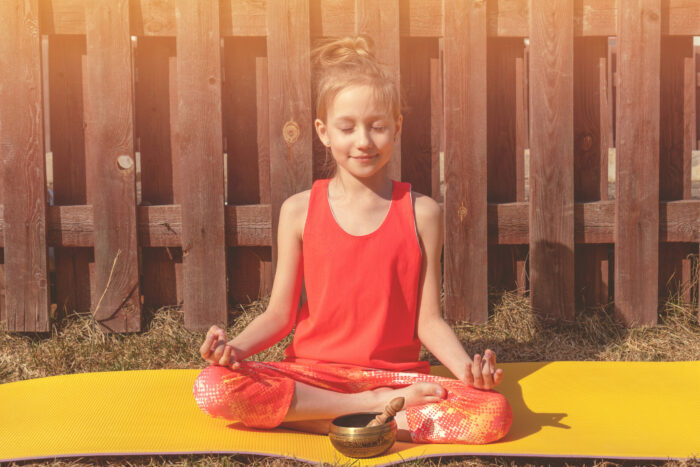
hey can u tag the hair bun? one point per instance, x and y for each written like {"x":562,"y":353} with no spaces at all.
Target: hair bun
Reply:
{"x":346,"y":51}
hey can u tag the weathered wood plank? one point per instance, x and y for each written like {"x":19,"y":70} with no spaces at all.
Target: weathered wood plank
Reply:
{"x":111,"y":166}
{"x":590,"y":160}
{"x":332,"y":18}
{"x":380,"y":21}
{"x":466,"y":255}
{"x":508,"y":224}
{"x":637,"y":163}
{"x":552,"y":158}
{"x":289,"y":88}
{"x":23,"y":164}
{"x":199,"y":151}
{"x":419,"y":18}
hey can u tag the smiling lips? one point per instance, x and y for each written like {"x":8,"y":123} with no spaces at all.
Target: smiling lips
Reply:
{"x":365,"y":158}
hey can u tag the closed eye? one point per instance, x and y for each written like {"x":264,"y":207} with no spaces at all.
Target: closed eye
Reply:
{"x":350,"y":130}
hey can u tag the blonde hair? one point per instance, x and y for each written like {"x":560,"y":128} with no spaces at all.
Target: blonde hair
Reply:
{"x":338,"y":63}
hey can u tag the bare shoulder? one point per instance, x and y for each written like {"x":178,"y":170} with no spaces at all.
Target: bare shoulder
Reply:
{"x":427,"y":211}
{"x":295,"y":209}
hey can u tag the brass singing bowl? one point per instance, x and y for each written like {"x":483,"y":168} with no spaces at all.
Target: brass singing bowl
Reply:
{"x":351,"y":436}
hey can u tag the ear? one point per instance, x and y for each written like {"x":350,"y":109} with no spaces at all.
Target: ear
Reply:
{"x":399,"y":124}
{"x":321,"y":131}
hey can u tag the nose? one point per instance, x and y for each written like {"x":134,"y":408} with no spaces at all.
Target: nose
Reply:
{"x":363,"y":138}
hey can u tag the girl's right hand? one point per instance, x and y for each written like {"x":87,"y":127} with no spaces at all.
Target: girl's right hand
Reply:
{"x":216,"y":351}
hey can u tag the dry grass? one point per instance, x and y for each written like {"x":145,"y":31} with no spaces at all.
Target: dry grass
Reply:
{"x":75,"y":345}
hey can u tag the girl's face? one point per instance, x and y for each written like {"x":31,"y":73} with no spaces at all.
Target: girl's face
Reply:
{"x":356,"y":128}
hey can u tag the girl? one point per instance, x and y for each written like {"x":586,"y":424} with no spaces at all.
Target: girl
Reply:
{"x":368,"y":249}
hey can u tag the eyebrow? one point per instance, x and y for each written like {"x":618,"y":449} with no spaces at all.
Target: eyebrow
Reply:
{"x":375,"y":117}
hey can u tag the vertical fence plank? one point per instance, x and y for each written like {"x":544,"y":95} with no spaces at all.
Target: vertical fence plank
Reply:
{"x":23,"y":165}
{"x":380,"y":20}
{"x":637,"y":162}
{"x":466,"y":292}
{"x":154,"y":87}
{"x":590,"y":161}
{"x":551,"y":158}
{"x":289,"y":88}
{"x":111,"y":164}
{"x":200,"y":167}
{"x":503,"y":164}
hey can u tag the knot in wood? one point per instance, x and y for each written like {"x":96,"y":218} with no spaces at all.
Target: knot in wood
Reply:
{"x":125,"y":162}
{"x":290,"y":131}
{"x":462,"y":212}
{"x":586,"y":142}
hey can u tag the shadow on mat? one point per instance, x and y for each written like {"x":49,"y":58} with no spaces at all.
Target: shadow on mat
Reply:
{"x":525,"y":421}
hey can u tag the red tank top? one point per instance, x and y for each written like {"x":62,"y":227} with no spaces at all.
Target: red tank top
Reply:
{"x":362,"y":291}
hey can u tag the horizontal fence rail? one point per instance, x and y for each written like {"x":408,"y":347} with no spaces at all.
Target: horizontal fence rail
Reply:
{"x":147,"y":147}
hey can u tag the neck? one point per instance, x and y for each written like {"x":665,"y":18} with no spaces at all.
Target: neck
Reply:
{"x":348,"y":186}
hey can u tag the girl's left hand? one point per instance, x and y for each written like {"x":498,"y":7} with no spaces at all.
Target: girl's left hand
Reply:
{"x":482,"y":373}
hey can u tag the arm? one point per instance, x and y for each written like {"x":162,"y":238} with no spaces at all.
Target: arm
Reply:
{"x":278,"y":319}
{"x":437,"y":336}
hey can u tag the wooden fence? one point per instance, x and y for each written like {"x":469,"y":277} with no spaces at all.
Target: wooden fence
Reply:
{"x":174,"y":129}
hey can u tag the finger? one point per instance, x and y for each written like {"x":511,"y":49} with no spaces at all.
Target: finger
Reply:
{"x":226,"y":357}
{"x":476,"y":371}
{"x":205,"y":349}
{"x":486,"y":371}
{"x":497,"y":377}
{"x":235,"y":365}
{"x":469,"y":375}
{"x":493,"y":358}
{"x":219,"y":350}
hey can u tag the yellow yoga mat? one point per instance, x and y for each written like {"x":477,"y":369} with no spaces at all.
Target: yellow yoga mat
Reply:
{"x":642,"y":410}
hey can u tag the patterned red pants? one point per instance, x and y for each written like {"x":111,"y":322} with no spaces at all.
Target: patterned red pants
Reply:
{"x":259,"y":394}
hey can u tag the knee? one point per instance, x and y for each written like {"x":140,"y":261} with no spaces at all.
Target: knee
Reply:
{"x":209,"y":392}
{"x":497,"y":417}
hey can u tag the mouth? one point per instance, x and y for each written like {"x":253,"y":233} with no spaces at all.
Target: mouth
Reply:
{"x":365,"y":158}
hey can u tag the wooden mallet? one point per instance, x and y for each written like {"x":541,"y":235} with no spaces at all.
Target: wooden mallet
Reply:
{"x":389,"y":411}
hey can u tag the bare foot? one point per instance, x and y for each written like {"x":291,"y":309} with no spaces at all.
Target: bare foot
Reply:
{"x":415,"y":394}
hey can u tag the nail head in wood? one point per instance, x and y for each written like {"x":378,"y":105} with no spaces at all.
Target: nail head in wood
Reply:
{"x":125,"y":162}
